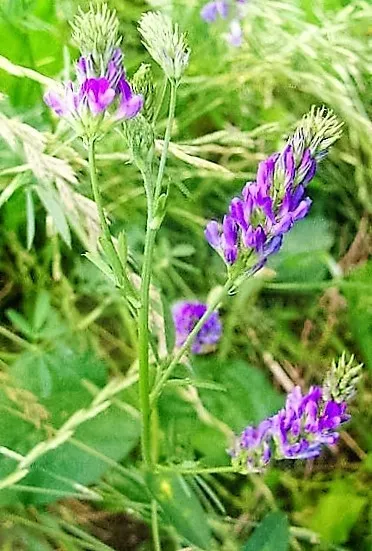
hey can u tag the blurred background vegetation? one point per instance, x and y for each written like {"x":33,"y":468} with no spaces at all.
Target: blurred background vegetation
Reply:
{"x":65,"y":333}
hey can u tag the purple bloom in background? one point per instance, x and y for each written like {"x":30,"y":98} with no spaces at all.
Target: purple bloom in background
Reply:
{"x":235,"y":34}
{"x":226,"y":9}
{"x":212,"y":10}
{"x":186,"y":315}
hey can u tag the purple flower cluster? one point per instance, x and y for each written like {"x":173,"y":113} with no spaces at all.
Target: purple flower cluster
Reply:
{"x":186,"y":315}
{"x":266,"y":210}
{"x":300,"y":430}
{"x":225,"y":9}
{"x":92,"y":93}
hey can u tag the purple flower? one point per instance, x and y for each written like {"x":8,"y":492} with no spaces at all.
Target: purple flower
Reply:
{"x":252,"y":450}
{"x":94,"y":94}
{"x":235,"y":34}
{"x":300,"y":430}
{"x":307,"y":423}
{"x":130,"y":104}
{"x":212,"y":10}
{"x":267,"y":209}
{"x":186,"y":315}
{"x":97,"y":94}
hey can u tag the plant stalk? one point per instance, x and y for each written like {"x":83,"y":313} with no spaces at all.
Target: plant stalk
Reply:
{"x":153,"y":195}
{"x":113,"y":257}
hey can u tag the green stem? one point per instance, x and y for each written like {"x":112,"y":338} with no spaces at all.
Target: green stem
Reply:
{"x":143,"y":334}
{"x":188,"y":342}
{"x":143,"y":316}
{"x":195,"y":470}
{"x":110,"y":250}
{"x":155,"y":526}
{"x":167,"y":137}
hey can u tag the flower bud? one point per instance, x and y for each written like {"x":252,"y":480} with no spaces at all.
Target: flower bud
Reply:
{"x":165,"y":43}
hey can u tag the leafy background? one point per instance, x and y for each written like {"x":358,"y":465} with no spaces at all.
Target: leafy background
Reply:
{"x":65,"y":335}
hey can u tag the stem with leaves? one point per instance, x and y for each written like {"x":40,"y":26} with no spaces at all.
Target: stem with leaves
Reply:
{"x":107,"y":243}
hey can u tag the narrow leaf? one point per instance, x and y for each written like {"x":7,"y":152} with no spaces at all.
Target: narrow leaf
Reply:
{"x":30,"y":212}
{"x":50,"y":200}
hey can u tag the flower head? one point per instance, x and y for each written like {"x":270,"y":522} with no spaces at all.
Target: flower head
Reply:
{"x":100,"y":91}
{"x":301,"y":429}
{"x":186,"y":315}
{"x":307,"y":423}
{"x":269,"y":207}
{"x":165,"y":43}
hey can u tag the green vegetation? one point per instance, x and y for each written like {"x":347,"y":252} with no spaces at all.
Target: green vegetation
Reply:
{"x":70,"y":423}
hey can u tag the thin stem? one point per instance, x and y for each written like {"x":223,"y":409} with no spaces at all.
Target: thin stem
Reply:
{"x":143,"y":316}
{"x":155,"y":526}
{"x":195,"y":470}
{"x":188,"y":342}
{"x":143,"y":329}
{"x":109,"y":247}
{"x":167,"y":137}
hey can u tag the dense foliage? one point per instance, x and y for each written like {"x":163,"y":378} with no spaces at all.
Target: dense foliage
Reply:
{"x":69,"y":411}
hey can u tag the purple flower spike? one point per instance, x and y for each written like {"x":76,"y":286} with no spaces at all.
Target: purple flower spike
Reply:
{"x":300,"y":430}
{"x":98,"y":94}
{"x":130,"y":104}
{"x":185,"y":316}
{"x":212,"y":10}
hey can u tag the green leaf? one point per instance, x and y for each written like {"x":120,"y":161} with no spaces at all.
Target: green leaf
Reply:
{"x":30,"y":212}
{"x":248,"y":398}
{"x":122,"y":248}
{"x":56,"y":377}
{"x":302,"y":257}
{"x":20,"y":322}
{"x":42,"y":309}
{"x":50,"y":200}
{"x":181,"y":508}
{"x":170,"y":335}
{"x":337,"y":512}
{"x":271,"y":535}
{"x":11,"y":188}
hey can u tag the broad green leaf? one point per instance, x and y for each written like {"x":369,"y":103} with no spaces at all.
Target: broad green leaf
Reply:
{"x":271,"y":535}
{"x":302,"y":257}
{"x":50,"y":200}
{"x":248,"y":398}
{"x":337,"y":512}
{"x":181,"y":508}
{"x":62,"y":394}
